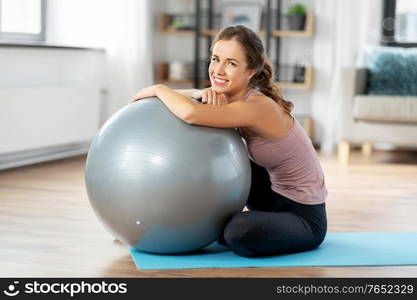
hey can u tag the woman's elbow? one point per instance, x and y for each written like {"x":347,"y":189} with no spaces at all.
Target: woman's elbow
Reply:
{"x":189,"y":116}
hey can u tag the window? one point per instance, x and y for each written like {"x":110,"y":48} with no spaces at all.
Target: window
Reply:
{"x":22,"y":20}
{"x":400,"y":23}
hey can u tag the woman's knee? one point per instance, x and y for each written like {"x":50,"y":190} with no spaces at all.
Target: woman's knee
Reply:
{"x":239,"y":235}
{"x":319,"y":239}
{"x":247,"y":234}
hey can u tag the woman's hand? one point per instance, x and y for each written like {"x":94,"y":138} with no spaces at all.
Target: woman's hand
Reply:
{"x":144,"y":93}
{"x":209,"y":96}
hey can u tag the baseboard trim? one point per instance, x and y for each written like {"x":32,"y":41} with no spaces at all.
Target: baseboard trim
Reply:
{"x":29,"y":157}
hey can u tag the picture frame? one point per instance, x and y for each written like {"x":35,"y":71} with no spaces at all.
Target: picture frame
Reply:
{"x":241,"y":13}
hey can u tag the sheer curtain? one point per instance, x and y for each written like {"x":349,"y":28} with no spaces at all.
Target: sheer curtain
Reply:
{"x":123,"y":28}
{"x":129,"y":48}
{"x":342,"y":30}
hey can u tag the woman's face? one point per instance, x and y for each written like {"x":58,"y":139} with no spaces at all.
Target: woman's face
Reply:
{"x":228,"y":68}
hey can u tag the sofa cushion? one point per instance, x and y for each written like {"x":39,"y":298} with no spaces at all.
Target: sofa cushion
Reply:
{"x":392,"y":70}
{"x":397,"y":109}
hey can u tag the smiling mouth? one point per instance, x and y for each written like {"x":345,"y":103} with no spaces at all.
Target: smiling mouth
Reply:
{"x":219,"y":81}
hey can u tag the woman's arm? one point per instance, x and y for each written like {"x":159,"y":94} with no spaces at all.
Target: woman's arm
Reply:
{"x":191,"y":93}
{"x":236,"y":114}
{"x":178,"y":104}
{"x":205,"y":96}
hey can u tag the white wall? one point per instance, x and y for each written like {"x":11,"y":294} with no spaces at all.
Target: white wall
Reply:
{"x":121,"y":28}
{"x":52,"y":99}
{"x":48,"y":96}
{"x":49,"y":66}
{"x":121,"y":66}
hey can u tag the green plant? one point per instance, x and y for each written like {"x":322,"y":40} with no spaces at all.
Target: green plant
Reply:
{"x":297,"y":9}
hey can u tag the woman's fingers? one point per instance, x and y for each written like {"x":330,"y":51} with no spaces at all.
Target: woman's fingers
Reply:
{"x":204,"y":96}
{"x":210,"y":97}
{"x":214,"y":98}
{"x":222,"y":99}
{"x":135,"y":98}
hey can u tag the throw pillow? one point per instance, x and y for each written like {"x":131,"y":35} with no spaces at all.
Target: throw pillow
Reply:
{"x":392,"y":71}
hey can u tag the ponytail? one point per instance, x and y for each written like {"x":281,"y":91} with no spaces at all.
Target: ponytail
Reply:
{"x":263,"y":81}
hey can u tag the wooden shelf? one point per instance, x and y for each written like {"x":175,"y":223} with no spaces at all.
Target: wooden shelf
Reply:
{"x":172,"y":30}
{"x":307,"y":32}
{"x":166,"y":20}
{"x":164,"y":26}
{"x":307,"y":84}
{"x":293,"y":85}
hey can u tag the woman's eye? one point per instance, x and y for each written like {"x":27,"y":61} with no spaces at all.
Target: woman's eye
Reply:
{"x":215,"y":59}
{"x":232,"y":64}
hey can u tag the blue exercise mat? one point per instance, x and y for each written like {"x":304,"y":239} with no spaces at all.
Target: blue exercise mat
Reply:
{"x":338,"y":249}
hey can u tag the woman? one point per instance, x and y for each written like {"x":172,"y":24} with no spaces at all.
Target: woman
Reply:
{"x":287,"y":197}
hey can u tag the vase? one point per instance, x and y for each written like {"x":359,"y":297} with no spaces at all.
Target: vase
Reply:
{"x":296,"y":22}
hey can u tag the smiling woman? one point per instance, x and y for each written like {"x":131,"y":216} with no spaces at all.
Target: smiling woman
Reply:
{"x":244,"y":50}
{"x":287,"y":198}
{"x":228,"y":70}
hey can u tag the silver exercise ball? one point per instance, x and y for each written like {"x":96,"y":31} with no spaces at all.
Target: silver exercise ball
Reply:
{"x":161,"y":185}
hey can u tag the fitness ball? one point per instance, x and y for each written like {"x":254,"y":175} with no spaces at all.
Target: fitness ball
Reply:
{"x":164,"y":186}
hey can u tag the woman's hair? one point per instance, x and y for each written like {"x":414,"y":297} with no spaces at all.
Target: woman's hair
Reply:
{"x":256,"y":59}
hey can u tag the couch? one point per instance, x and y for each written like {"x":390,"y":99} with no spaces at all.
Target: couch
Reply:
{"x":367,"y":118}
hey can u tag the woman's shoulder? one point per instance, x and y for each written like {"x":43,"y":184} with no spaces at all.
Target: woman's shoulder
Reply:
{"x":253,"y":92}
{"x":261,"y":98}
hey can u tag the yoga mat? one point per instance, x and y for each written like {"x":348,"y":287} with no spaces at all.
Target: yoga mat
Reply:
{"x":338,"y":249}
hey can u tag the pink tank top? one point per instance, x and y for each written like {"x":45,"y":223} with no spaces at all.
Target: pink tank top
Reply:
{"x":291,"y":162}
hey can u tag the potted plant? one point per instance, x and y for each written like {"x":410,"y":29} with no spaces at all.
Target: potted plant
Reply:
{"x":297,"y":16}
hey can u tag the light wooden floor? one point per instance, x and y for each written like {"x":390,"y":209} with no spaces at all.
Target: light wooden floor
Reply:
{"x":48,"y":229}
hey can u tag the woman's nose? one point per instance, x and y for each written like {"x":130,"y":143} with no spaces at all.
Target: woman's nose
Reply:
{"x":219,"y":69}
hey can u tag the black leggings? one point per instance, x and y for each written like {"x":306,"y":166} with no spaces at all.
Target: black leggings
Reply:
{"x":274,"y":224}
